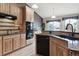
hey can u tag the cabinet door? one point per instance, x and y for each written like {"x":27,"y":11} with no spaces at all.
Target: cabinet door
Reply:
{"x":16,"y":11}
{"x":28,"y":14}
{"x":52,"y":48}
{"x":13,"y":9}
{"x":5,"y":7}
{"x":57,"y":50}
{"x":31,"y":15}
{"x":60,"y":51}
{"x":0,"y":46}
{"x":7,"y":44}
{"x":23,"y":40}
{"x":16,"y":42}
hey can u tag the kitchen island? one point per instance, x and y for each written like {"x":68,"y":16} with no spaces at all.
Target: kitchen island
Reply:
{"x":57,"y":46}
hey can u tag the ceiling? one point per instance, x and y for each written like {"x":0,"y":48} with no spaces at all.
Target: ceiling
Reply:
{"x":46,"y":9}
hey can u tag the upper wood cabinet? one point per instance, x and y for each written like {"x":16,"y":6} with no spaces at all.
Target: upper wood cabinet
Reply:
{"x":5,"y":8}
{"x":13,"y":9}
{"x":16,"y":10}
{"x":7,"y":44}
{"x":0,"y":45}
{"x":29,"y":14}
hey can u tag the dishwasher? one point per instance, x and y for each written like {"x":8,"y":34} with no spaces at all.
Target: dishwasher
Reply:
{"x":42,"y":45}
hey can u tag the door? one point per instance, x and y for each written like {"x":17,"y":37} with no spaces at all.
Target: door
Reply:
{"x":7,"y":44}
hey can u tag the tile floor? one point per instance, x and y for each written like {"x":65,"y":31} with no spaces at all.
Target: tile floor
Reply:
{"x":26,"y":51}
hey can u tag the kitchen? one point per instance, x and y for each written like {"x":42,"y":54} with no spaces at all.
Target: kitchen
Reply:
{"x":46,"y":29}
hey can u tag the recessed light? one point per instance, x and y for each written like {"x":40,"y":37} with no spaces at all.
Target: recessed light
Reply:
{"x":35,"y":6}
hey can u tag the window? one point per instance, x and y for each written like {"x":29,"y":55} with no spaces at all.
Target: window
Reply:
{"x":74,"y":22}
{"x":53,"y":26}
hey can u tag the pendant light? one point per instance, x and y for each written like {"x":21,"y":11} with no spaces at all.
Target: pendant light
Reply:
{"x":53,"y":16}
{"x":35,"y":6}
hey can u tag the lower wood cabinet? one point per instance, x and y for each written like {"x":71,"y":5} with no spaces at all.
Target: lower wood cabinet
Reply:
{"x":0,"y":45}
{"x":7,"y":44}
{"x":16,"y":41}
{"x":56,"y":49}
{"x":23,"y":40}
{"x":11,"y":43}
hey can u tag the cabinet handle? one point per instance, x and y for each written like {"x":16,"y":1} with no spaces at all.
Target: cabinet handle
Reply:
{"x":70,"y":53}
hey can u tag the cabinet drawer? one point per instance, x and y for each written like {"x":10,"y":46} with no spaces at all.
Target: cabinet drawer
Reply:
{"x":7,"y":36}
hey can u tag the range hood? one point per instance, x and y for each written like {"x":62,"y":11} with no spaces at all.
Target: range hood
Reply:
{"x":7,"y":16}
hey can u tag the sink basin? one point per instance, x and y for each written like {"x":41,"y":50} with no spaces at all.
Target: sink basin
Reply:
{"x":68,"y":37}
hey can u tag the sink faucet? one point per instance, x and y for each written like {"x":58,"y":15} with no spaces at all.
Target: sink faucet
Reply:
{"x":72,"y":34}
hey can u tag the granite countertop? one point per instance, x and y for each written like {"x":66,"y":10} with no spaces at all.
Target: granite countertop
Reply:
{"x":9,"y":34}
{"x":12,"y":33}
{"x":72,"y":44}
{"x":65,"y":32}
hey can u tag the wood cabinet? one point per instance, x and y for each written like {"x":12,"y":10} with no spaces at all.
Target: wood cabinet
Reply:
{"x":57,"y":48}
{"x":16,"y":41}
{"x":15,"y":10}
{"x":5,"y":8}
{"x":29,"y":14}
{"x":0,"y":45}
{"x":23,"y":40}
{"x":7,"y":44}
{"x":20,"y":13}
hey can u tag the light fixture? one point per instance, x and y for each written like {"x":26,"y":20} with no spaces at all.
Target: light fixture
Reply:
{"x":35,"y":6}
{"x":53,"y":16}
